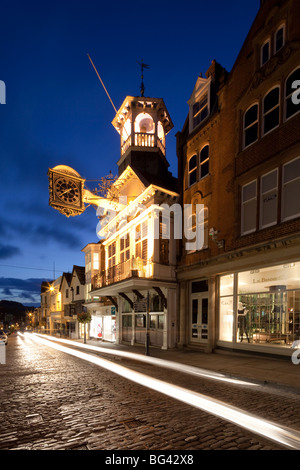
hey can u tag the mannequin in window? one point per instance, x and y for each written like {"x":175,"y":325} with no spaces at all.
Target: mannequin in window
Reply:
{"x":242,"y":321}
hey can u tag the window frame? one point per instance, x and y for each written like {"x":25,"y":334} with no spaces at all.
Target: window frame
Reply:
{"x":264,"y":194}
{"x":281,"y":27}
{"x":193,"y":170}
{"x":243,"y":203}
{"x":284,"y":185}
{"x":267,"y":41}
{"x":201,"y":164}
{"x":245,"y":129}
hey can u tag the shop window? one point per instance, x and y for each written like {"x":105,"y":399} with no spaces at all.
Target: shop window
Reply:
{"x":200,"y":110}
{"x":251,"y":125}
{"x":291,"y":106}
{"x":249,"y":208}
{"x":265,"y":52}
{"x":126,"y":321}
{"x":269,"y":199}
{"x":161,"y":321}
{"x":291,"y":190}
{"x":204,"y":161}
{"x":192,"y":170}
{"x":153,"y":321}
{"x":271,"y":110}
{"x":269,"y":301}
{"x":226,"y":308}
{"x":140,"y":321}
{"x":279,"y":39}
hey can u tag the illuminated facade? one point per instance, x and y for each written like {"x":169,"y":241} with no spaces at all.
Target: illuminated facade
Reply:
{"x":239,"y":155}
{"x":139,"y":272}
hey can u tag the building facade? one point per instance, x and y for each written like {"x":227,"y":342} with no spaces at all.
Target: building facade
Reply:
{"x":239,"y":156}
{"x":139,"y":275}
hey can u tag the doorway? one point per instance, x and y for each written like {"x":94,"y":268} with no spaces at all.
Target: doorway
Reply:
{"x":199,"y":318}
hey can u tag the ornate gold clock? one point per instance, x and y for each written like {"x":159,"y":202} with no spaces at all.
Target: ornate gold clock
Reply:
{"x":66,"y":190}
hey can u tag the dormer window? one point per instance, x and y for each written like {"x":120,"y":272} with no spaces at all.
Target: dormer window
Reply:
{"x":199,"y":103}
{"x":200,"y":111}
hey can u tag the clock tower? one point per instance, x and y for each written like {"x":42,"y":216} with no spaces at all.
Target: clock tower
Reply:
{"x":143,"y":124}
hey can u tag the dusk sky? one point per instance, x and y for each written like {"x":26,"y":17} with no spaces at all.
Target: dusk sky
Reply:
{"x":57,"y":111}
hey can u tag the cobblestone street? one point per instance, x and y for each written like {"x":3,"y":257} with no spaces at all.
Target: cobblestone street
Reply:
{"x":53,"y":401}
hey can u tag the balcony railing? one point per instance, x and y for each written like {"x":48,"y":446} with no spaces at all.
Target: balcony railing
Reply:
{"x":125,"y":270}
{"x":142,"y":139}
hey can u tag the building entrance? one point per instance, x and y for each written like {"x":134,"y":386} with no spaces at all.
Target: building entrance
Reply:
{"x":199,"y":318}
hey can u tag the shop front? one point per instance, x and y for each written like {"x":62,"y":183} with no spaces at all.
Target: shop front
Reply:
{"x":259,"y":309}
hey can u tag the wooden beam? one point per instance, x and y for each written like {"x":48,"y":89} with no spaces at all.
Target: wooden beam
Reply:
{"x":138,"y":294}
{"x":126,"y":298}
{"x":161,"y":294}
{"x":113,"y":301}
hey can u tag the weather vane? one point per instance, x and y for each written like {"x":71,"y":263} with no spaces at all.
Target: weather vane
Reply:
{"x":143,"y":66}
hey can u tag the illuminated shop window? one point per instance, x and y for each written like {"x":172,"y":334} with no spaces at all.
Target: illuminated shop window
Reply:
{"x":251,"y":125}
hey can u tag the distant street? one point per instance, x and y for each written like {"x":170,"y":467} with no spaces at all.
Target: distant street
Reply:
{"x":51,"y":400}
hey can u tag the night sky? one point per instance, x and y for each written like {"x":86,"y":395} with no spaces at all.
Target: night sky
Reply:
{"x":57,"y":111}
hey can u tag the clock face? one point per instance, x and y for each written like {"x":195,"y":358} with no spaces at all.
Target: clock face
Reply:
{"x":67,"y":190}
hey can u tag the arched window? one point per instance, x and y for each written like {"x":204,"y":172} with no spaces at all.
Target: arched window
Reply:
{"x":204,"y":161}
{"x":291,"y":105}
{"x":271,"y":110}
{"x":251,"y":125}
{"x":144,"y":123}
{"x":192,"y":170}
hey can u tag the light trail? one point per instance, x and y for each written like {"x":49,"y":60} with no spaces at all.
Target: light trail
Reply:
{"x":155,"y":361}
{"x":284,"y":436}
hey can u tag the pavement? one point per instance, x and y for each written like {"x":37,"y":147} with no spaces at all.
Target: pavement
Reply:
{"x":279,"y":371}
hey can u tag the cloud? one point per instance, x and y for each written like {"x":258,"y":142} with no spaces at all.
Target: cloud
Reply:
{"x":28,"y":286}
{"x":38,"y":233}
{"x":8,"y":251}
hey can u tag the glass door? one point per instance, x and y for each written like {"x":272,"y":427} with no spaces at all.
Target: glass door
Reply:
{"x":199,"y":318}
